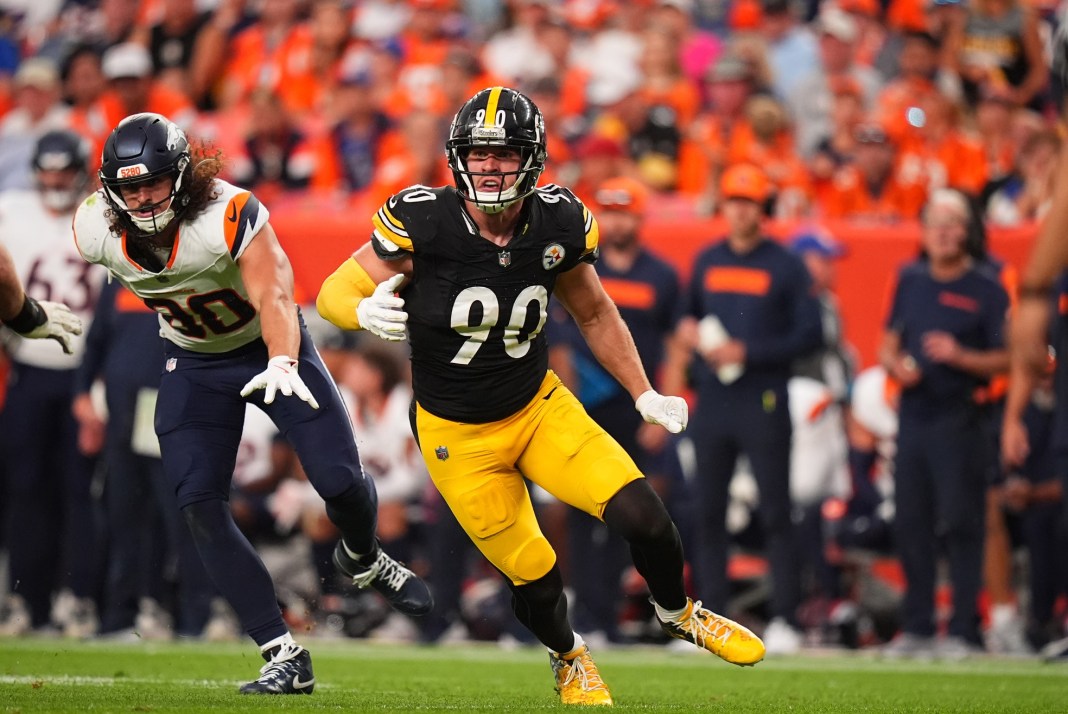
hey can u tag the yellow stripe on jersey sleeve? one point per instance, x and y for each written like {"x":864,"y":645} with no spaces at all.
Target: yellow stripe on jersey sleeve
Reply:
{"x":390,"y":232}
{"x":593,"y":232}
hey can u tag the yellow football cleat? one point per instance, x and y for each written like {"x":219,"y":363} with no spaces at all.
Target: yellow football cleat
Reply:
{"x":722,"y":637}
{"x":577,"y":679}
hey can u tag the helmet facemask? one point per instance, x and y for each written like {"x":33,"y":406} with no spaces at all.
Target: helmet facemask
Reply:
{"x":526,"y":179}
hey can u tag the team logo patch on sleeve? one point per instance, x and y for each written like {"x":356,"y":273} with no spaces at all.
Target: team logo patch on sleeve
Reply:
{"x":442,"y":452}
{"x":551,"y":256}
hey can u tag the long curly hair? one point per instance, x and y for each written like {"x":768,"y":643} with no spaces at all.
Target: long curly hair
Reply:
{"x":199,"y":188}
{"x":205,"y":163}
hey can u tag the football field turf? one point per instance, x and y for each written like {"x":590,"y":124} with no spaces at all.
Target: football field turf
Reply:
{"x":40,"y":675}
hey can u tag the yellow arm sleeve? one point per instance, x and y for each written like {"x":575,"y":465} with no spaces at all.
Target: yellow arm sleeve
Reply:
{"x":340,"y":293}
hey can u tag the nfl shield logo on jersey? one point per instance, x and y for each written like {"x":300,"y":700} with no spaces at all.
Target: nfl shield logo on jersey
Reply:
{"x":504,"y":258}
{"x":551,"y":256}
{"x":442,"y":453}
{"x":172,"y":363}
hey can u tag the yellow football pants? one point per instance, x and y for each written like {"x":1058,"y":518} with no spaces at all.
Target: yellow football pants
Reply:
{"x":479,"y":470}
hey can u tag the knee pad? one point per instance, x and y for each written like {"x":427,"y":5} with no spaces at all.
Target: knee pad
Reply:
{"x":206,"y":519}
{"x":532,"y":561}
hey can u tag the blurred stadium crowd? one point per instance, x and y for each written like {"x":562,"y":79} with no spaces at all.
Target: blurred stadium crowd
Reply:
{"x":852,"y":109}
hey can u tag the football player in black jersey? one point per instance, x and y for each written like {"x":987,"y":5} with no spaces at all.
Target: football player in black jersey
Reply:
{"x":465,"y":273}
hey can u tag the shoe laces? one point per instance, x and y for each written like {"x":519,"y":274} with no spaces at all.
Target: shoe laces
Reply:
{"x":582,"y":668}
{"x":278,"y":666}
{"x":706,"y":626}
{"x":384,"y":570}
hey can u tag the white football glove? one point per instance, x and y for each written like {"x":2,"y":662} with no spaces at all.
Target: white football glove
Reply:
{"x":61,"y":325}
{"x":672,"y":413}
{"x":280,"y":376}
{"x":382,"y":313}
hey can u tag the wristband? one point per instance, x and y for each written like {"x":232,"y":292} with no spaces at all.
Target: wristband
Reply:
{"x":29,"y":318}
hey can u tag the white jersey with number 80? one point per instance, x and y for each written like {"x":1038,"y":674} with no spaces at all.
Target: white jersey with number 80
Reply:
{"x":200,"y":297}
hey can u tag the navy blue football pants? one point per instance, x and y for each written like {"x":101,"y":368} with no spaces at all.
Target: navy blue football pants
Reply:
{"x":199,"y":417}
{"x":51,"y":524}
{"x":732,"y":421}
{"x":940,"y":481}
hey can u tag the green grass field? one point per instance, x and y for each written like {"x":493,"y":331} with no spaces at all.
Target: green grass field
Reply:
{"x":40,"y":675}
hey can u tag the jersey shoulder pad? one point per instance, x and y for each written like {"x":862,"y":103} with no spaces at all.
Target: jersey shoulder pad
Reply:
{"x":403,"y":212}
{"x":240,"y":215}
{"x":573,"y":216}
{"x":92,"y":227}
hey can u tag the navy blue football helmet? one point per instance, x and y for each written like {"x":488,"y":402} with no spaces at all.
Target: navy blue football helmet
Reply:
{"x":141,"y":148}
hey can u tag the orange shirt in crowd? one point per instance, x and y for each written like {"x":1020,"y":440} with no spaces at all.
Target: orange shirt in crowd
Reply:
{"x":849,"y":197}
{"x":329,"y":172}
{"x":97,"y":120}
{"x":285,"y":68}
{"x":907,"y":15}
{"x":421,"y":51}
{"x":559,"y":155}
{"x":956,"y":161}
{"x":778,"y":159}
{"x":417,"y":84}
{"x":399,"y":169}
{"x":703,"y":152}
{"x":682,"y":96}
{"x":896,"y":99}
{"x":573,"y":86}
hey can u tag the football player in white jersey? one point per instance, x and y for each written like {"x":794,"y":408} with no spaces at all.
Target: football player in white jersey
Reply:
{"x":50,"y":531}
{"x":202,"y":253}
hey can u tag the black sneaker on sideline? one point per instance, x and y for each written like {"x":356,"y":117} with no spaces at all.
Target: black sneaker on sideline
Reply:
{"x":288,"y":671}
{"x":404,"y":590}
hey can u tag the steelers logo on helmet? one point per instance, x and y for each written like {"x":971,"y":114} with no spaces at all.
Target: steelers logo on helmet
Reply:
{"x":142,"y":149}
{"x":503,"y":117}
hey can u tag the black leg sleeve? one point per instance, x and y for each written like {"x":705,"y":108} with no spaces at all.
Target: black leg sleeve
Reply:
{"x":638,"y":515}
{"x":541,"y":607}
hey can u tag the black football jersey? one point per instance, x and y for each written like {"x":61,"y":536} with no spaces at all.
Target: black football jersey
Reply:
{"x":476,"y":310}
